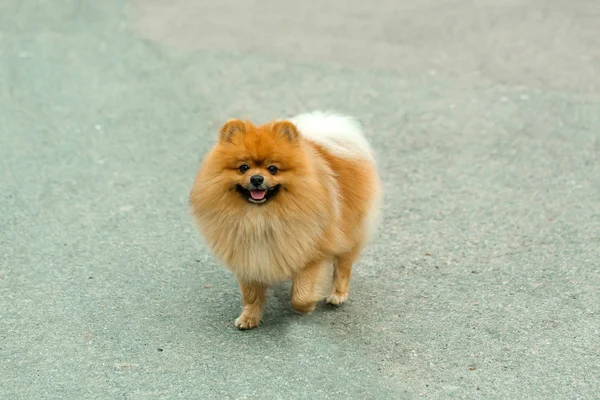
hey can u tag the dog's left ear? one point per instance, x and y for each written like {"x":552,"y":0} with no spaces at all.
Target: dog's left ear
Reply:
{"x":287,"y":130}
{"x":232,"y":128}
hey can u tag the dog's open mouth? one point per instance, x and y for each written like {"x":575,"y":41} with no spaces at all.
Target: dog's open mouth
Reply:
{"x":258,"y":196}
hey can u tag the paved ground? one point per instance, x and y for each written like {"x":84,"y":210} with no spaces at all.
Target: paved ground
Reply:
{"x":484,"y":282}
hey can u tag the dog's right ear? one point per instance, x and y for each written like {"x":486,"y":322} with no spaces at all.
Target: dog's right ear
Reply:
{"x":231,"y":128}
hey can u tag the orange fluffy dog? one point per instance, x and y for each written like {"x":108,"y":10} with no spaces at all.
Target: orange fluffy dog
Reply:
{"x":290,"y":199}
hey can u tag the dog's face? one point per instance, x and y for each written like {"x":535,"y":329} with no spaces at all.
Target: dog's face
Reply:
{"x":258,"y":164}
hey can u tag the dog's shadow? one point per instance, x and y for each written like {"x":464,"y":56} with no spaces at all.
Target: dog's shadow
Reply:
{"x":219,"y":303}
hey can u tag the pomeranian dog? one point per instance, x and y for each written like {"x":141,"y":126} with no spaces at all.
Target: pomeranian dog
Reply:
{"x":291,"y":199}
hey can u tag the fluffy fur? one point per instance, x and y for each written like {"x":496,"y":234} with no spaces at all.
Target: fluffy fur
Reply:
{"x":316,"y":208}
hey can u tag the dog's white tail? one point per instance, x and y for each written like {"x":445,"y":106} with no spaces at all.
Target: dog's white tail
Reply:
{"x":340,"y":134}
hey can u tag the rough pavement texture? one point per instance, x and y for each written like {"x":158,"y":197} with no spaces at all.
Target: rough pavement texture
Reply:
{"x":484,"y":280}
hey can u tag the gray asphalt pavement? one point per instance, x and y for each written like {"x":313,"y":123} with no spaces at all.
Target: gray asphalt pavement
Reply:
{"x":484,"y":281}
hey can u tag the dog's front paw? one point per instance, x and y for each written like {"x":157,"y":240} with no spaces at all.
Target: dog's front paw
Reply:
{"x":337,"y":298}
{"x":247,"y":321}
{"x":304,"y":307}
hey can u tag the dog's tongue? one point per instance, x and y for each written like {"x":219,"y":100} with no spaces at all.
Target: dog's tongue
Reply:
{"x":258,"y":194}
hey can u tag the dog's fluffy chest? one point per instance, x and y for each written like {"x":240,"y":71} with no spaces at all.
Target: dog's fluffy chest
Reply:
{"x":265,"y":250}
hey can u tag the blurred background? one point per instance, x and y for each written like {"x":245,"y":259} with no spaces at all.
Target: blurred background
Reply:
{"x":484,"y":281}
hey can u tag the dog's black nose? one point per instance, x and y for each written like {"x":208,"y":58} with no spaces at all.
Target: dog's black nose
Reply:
{"x":257,"y":180}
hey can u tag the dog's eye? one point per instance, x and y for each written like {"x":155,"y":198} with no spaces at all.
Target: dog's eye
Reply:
{"x":272,"y":169}
{"x":243,"y":168}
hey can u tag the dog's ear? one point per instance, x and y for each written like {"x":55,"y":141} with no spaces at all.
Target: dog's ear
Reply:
{"x":232,"y":128}
{"x":286,"y":129}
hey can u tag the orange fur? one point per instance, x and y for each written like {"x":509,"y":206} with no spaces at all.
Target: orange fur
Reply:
{"x":320,"y":217}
